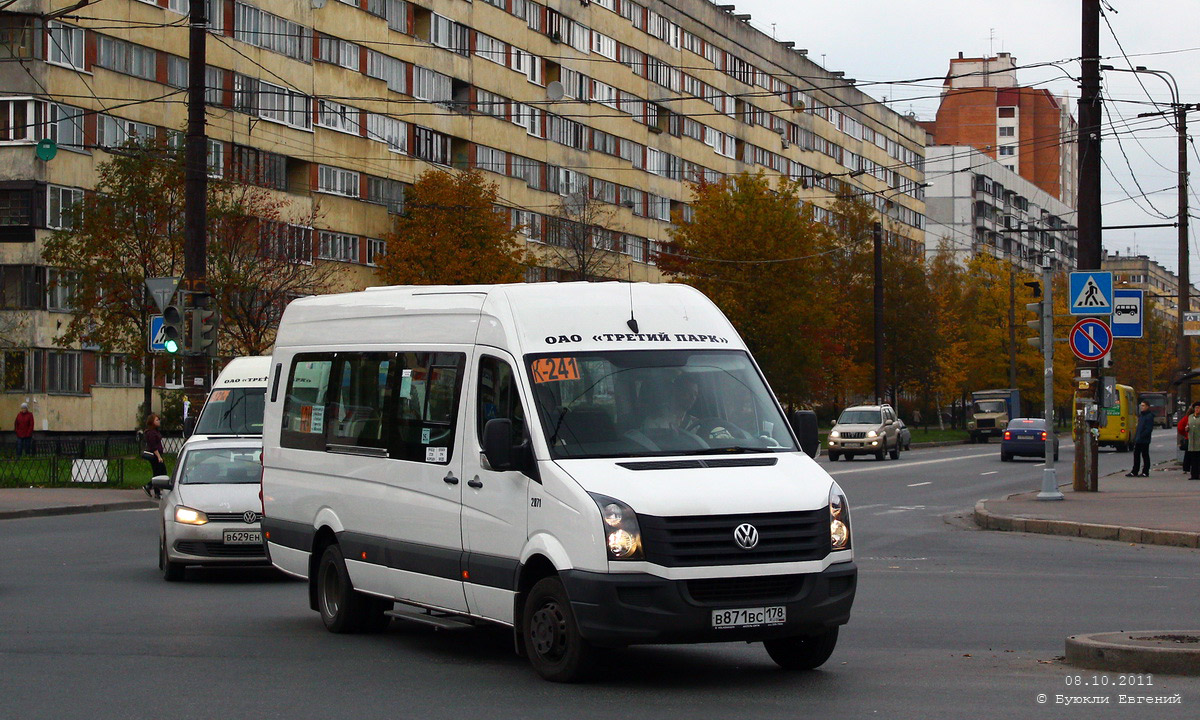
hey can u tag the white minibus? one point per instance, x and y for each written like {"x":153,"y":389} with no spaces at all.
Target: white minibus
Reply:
{"x":592,"y":464}
{"x":234,"y":407}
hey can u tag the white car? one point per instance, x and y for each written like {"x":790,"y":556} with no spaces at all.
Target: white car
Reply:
{"x":211,"y":512}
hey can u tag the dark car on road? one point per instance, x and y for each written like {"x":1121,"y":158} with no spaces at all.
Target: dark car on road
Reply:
{"x":1026,"y":437}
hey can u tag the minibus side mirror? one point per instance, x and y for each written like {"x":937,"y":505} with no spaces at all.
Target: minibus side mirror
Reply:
{"x":804,"y":424}
{"x":498,"y":443}
{"x":189,"y":426}
{"x":161,"y":482}
{"x":833,"y":422}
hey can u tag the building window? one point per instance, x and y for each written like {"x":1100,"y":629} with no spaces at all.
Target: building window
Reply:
{"x":286,"y":242}
{"x":21,"y":120}
{"x":22,"y":287}
{"x":60,"y":206}
{"x":338,"y":52}
{"x":491,"y":159}
{"x":446,"y":33}
{"x":285,"y":106}
{"x":431,"y":145}
{"x":177,"y":71}
{"x":126,"y":58}
{"x":1005,"y":112}
{"x":118,"y":371}
{"x":389,"y":69}
{"x":259,"y":167}
{"x":337,"y":181}
{"x":431,"y":86}
{"x":1008,"y":131}
{"x":339,"y":117}
{"x":115,"y":132}
{"x":64,"y":45}
{"x":264,"y":30}
{"x":1008,"y":149}
{"x":64,"y":372}
{"x":339,"y":247}
{"x":388,"y":130}
{"x":60,"y":285}
{"x":383,"y":191}
{"x":216,"y":158}
{"x":375,"y":250}
{"x":489,"y":48}
{"x":18,"y":37}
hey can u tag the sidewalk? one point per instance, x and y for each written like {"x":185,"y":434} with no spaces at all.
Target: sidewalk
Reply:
{"x":35,"y":502}
{"x":1163,"y":509}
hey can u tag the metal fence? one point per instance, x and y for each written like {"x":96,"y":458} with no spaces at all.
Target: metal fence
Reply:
{"x":86,"y":446}
{"x":64,"y":471}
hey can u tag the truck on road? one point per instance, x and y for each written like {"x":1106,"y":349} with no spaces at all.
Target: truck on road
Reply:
{"x":990,"y":412}
{"x":1158,"y":402}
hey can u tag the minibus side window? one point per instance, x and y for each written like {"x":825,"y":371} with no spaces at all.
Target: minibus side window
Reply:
{"x":427,"y":396}
{"x":364,"y":398}
{"x":498,"y":396}
{"x":304,"y":421}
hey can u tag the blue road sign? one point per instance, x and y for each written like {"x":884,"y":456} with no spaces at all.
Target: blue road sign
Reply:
{"x":1128,"y":313}
{"x":1091,"y":292}
{"x":1090,"y":339}
{"x":156,"y":334}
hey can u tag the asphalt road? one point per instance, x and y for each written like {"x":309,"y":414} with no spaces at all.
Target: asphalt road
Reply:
{"x":950,"y":622}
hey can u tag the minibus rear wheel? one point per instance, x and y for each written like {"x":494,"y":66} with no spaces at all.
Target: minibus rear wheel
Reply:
{"x":344,"y":609}
{"x":802,"y":652}
{"x":551,"y":636}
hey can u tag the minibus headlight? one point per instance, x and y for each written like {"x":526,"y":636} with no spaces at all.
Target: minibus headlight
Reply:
{"x":622,"y":537}
{"x":834,"y":433}
{"x":872,"y":433}
{"x":189,"y":516}
{"x":839,"y":519}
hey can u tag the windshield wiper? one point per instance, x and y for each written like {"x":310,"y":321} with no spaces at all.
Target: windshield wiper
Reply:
{"x":732,"y":450}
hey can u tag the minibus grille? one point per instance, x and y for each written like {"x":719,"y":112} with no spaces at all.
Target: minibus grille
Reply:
{"x":709,"y":539}
{"x":855,"y":435}
{"x":767,"y":588}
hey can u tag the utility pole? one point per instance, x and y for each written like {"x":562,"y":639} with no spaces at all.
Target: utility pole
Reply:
{"x":1012,"y":324}
{"x":1183,"y":342}
{"x":196,"y":367}
{"x":878,"y":302}
{"x":1089,"y":215}
{"x":1050,"y":489}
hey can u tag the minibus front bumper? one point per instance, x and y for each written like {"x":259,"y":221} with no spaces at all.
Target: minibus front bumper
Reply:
{"x":618,"y":609}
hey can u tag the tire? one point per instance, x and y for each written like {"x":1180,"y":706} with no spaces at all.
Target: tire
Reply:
{"x":849,"y":457}
{"x":1055,"y":456}
{"x":880,"y":453}
{"x":551,"y":636}
{"x":833,"y":456}
{"x":802,"y":652}
{"x":895,"y":452}
{"x":1005,"y":457}
{"x":171,"y":571}
{"x":343,"y":609}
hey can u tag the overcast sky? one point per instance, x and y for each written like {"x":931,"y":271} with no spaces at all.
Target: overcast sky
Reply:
{"x":878,"y":41}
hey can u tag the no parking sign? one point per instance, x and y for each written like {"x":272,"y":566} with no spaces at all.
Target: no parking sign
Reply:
{"x":1091,"y":339}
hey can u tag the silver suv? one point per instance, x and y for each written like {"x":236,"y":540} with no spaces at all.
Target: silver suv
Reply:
{"x":865,"y":430}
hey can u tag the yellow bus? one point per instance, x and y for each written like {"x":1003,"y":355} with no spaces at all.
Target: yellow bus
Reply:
{"x":1122,"y":420}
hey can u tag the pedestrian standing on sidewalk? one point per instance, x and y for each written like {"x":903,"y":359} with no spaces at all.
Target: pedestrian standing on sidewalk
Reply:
{"x":1181,"y":431}
{"x":1192,"y":459}
{"x":24,"y":429}
{"x":1141,"y":442}
{"x":153,"y":451}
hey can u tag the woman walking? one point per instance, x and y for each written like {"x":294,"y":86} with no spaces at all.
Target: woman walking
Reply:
{"x":154,"y":451}
{"x":1192,"y":459}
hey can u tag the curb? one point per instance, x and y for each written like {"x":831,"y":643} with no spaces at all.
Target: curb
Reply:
{"x":1092,"y":531}
{"x":77,"y":509}
{"x":1142,"y":652}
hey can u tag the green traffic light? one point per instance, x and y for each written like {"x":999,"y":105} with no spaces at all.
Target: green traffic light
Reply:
{"x":171,"y":346}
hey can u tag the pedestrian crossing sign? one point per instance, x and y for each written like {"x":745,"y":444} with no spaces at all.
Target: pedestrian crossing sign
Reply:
{"x":1091,"y":292}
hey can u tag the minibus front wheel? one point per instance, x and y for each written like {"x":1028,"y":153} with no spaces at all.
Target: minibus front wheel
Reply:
{"x":803,"y":652}
{"x":344,"y":609}
{"x":551,"y":635}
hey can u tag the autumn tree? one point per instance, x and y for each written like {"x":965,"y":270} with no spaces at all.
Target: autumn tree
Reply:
{"x":752,"y":249}
{"x":580,"y":241}
{"x":451,"y":233}
{"x":131,"y":228}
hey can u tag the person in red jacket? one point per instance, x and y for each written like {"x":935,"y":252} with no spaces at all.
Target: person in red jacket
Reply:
{"x":24,"y":429}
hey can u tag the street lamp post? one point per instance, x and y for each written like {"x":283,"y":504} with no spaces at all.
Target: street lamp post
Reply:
{"x":1183,"y":346}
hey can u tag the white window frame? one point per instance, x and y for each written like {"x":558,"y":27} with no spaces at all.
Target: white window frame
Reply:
{"x":388,"y":130}
{"x":338,"y":181}
{"x":338,"y":116}
{"x":376,"y":248}
{"x":58,"y":200}
{"x":64,"y":45}
{"x":338,"y":247}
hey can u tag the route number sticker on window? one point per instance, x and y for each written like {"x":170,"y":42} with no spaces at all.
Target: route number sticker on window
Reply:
{"x":547,"y":370}
{"x":219,"y":396}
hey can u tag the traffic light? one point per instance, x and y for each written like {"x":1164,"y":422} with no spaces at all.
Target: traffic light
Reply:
{"x":204,"y":331}
{"x":173,"y":329}
{"x":1035,"y":324}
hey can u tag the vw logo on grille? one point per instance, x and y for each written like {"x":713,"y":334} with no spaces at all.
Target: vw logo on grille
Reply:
{"x":746,"y":536}
{"x":250,"y":516}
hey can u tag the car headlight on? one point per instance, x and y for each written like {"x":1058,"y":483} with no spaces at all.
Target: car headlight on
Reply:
{"x":834,"y":434}
{"x":872,"y":433}
{"x":189,"y":516}
{"x":839,"y":519}
{"x":622,"y":537}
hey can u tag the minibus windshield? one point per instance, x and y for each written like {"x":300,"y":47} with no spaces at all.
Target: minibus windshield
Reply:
{"x":233,"y":411}
{"x":655,"y":402}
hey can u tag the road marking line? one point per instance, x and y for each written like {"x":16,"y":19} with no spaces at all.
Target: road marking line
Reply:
{"x":920,"y":484}
{"x":973,"y":456}
{"x":990,"y":473}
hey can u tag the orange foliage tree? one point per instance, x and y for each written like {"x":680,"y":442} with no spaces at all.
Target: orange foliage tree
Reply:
{"x":452,"y":233}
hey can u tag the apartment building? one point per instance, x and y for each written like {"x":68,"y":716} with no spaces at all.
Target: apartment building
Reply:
{"x":339,"y":105}
{"x":1141,"y":272}
{"x":1029,"y":130}
{"x":976,"y":205}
